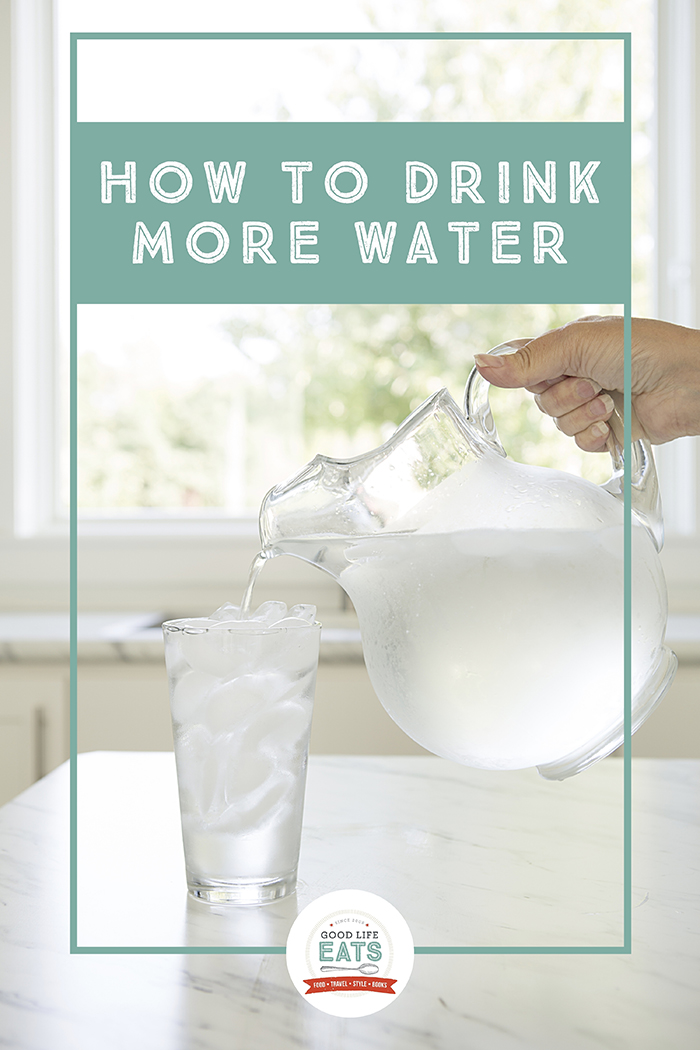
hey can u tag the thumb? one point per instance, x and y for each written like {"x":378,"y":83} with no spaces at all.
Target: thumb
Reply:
{"x":544,"y":360}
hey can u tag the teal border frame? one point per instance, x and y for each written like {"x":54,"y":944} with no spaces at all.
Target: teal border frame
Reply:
{"x":626,"y":947}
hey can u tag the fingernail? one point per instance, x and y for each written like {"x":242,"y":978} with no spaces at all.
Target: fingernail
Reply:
{"x":600,"y":430}
{"x":487,"y":361}
{"x":585,"y":389}
{"x":601,"y":406}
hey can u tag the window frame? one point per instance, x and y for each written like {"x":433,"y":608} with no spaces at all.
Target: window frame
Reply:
{"x":676,"y":278}
{"x":136,"y":555}
{"x":33,"y":561}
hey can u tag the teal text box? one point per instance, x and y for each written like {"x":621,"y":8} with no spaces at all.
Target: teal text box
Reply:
{"x":595,"y":243}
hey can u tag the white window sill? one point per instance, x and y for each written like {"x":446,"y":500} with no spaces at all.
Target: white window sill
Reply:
{"x":152,"y":525}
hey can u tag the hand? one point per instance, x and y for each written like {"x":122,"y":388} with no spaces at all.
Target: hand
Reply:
{"x":571,"y":370}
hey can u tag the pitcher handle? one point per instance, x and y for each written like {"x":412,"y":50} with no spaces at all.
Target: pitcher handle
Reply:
{"x":646,"y":498}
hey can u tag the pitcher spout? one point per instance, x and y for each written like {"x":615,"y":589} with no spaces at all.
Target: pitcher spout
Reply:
{"x":315,"y":502}
{"x":333,"y":498}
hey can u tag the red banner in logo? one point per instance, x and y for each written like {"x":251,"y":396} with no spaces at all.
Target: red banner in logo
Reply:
{"x":350,"y":984}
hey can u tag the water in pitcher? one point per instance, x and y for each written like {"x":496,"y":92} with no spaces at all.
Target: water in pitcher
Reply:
{"x":499,"y":648}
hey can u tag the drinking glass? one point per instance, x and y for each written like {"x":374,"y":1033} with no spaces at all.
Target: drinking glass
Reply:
{"x":241,"y":697}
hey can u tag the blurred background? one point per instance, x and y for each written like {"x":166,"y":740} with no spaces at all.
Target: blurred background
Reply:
{"x":192,"y":410}
{"x":188,"y":414}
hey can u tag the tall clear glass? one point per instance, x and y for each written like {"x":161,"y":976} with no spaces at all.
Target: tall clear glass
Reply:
{"x":241,"y":700}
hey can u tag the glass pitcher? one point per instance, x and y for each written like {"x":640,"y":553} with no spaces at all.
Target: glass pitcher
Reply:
{"x":489,"y":593}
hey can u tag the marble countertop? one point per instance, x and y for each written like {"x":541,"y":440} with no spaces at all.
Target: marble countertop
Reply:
{"x":469,"y":857}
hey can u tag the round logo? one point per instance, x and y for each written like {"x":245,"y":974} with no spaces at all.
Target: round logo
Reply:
{"x":350,"y":953}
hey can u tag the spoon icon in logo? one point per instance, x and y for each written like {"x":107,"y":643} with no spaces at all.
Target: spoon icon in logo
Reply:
{"x":366,"y":968}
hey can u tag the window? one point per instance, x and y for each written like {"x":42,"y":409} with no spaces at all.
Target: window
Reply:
{"x":114,"y":513}
{"x":197,"y":411}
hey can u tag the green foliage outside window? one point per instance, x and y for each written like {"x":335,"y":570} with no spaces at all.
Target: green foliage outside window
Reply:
{"x":303,"y":379}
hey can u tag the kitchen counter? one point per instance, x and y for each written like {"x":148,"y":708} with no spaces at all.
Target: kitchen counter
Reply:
{"x":470,"y":858}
